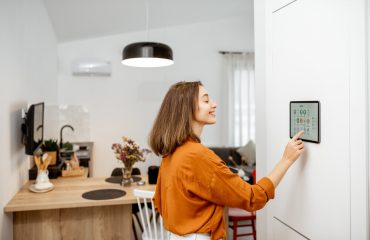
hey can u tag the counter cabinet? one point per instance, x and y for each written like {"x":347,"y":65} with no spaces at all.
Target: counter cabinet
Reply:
{"x":63,"y":214}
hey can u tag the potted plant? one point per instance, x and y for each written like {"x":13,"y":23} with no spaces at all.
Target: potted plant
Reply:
{"x":67,"y":146}
{"x":51,"y":148}
{"x":66,"y":151}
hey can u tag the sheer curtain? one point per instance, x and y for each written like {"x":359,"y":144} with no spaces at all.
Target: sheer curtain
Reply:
{"x":239,"y":85}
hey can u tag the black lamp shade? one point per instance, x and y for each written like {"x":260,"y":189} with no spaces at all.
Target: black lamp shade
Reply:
{"x":147,"y":54}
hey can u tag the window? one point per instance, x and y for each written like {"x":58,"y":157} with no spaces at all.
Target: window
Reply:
{"x":239,"y":69}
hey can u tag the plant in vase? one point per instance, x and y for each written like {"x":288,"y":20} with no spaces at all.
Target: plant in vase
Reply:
{"x":128,"y":153}
{"x":51,"y":148}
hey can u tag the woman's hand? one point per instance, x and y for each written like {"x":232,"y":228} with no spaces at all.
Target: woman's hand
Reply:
{"x":294,"y":148}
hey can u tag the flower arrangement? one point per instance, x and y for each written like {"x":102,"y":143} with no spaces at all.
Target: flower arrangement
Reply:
{"x":129,"y":152}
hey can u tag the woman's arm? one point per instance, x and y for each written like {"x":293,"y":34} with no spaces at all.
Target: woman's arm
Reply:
{"x":293,"y":150}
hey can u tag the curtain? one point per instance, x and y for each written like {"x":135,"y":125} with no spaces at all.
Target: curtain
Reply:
{"x":240,"y":89}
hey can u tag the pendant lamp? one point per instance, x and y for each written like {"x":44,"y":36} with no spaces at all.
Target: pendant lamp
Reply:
{"x":147,"y":54}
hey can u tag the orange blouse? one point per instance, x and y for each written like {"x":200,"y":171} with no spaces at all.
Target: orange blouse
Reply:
{"x":193,"y":187}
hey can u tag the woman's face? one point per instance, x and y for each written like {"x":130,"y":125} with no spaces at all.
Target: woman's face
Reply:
{"x":206,"y":110}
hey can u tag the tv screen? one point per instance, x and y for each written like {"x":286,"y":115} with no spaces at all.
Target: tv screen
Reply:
{"x":33,"y":129}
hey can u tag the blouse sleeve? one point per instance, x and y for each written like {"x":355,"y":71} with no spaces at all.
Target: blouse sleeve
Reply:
{"x":226,"y":188}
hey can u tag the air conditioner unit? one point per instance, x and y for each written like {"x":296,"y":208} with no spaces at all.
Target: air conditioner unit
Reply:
{"x":92,"y":68}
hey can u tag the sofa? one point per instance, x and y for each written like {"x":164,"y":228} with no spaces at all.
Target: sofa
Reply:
{"x":238,"y":157}
{"x":228,"y":154}
{"x":244,"y":155}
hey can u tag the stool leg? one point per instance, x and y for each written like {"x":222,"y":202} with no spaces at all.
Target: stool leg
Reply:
{"x":235,"y":229}
{"x":254,"y":229}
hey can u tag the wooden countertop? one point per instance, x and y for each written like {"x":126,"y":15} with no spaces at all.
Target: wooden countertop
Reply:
{"x":67,"y":193}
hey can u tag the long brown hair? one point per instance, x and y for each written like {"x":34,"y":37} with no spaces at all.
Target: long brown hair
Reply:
{"x":173,"y":125}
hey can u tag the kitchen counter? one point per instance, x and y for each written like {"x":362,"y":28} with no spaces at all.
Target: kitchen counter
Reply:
{"x":67,"y":194}
{"x":63,"y":214}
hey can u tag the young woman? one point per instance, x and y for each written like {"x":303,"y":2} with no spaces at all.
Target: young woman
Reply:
{"x":194,"y":184}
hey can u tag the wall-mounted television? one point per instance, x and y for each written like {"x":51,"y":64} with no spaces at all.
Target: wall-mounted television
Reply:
{"x":33,"y":128}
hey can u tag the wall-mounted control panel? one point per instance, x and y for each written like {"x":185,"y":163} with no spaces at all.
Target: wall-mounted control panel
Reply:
{"x":305,"y":115}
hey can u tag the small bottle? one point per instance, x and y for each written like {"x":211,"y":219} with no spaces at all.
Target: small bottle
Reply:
{"x":68,"y":166}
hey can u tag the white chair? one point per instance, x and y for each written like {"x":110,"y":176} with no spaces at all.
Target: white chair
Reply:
{"x":152,"y":229}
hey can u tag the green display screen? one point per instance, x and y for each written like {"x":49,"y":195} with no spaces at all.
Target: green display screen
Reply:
{"x":305,"y":115}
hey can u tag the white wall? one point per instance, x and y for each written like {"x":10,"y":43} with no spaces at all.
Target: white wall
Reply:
{"x":368,"y":109}
{"x":28,"y":69}
{"x":261,"y":73}
{"x":315,"y":50}
{"x":127,"y":102}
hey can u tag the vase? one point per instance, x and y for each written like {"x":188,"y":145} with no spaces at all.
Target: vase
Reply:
{"x":42,"y":180}
{"x":126,"y":176}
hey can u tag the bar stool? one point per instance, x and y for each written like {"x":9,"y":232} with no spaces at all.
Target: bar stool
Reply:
{"x":237,"y":215}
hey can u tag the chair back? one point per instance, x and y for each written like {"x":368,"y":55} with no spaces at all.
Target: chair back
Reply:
{"x":152,"y":228}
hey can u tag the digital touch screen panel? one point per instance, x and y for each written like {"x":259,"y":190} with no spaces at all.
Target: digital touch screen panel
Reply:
{"x":305,"y":115}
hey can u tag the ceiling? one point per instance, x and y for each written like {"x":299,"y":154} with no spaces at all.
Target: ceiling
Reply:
{"x":80,"y":19}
